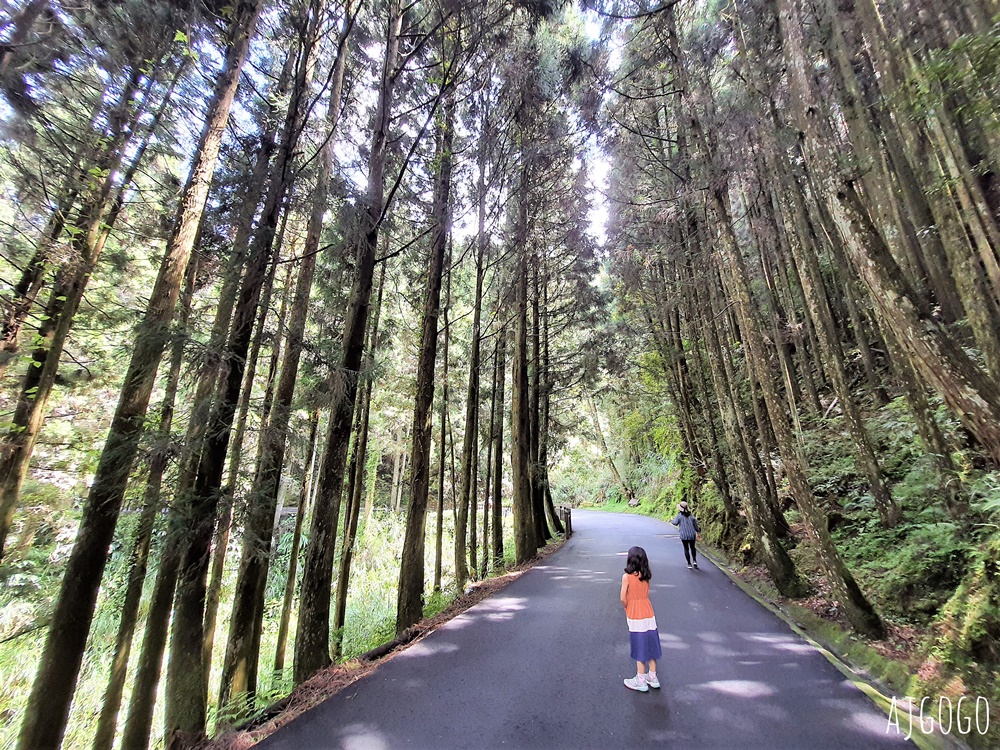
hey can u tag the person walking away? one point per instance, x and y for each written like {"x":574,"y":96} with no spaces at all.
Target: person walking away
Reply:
{"x":689,"y":531}
{"x":644,"y":638}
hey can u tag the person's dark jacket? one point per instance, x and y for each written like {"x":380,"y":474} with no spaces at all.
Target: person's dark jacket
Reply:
{"x":687,"y":524}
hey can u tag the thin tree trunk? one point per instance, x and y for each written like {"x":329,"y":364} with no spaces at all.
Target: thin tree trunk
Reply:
{"x":626,"y":490}
{"x":542,"y":533}
{"x":397,"y":463}
{"x":466,"y":494}
{"x":239,"y":671}
{"x":293,"y":557}
{"x":25,"y":291}
{"x":489,"y":470}
{"x":186,"y":691}
{"x":443,"y":447}
{"x":409,"y":607}
{"x":765,"y":532}
{"x":972,"y":396}
{"x":22,"y":21}
{"x":402,"y":481}
{"x":546,"y":390}
{"x":359,"y":461}
{"x":223,"y":524}
{"x":87,"y":243}
{"x":819,"y":309}
{"x":498,"y":396}
{"x":857,"y":609}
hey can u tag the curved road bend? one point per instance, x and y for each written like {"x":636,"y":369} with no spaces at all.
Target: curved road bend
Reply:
{"x":540,"y":665}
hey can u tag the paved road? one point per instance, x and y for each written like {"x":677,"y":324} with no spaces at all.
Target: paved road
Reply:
{"x":540,"y":665}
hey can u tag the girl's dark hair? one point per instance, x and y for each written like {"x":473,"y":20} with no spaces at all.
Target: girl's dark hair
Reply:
{"x":637,"y":562}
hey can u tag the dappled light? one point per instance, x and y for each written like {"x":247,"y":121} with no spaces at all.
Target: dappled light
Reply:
{"x":435,"y":648}
{"x":361,"y":737}
{"x":738,"y":688}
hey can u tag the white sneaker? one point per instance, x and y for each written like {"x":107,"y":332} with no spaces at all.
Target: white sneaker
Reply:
{"x":689,"y":566}
{"x":636,"y":683}
{"x":696,"y":566}
{"x":651,"y":680}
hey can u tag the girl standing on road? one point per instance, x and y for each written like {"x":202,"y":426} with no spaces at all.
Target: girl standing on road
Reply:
{"x":643,"y":635}
{"x":689,"y":530}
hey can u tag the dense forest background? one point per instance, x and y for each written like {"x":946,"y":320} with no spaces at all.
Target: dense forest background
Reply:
{"x":315,"y":311}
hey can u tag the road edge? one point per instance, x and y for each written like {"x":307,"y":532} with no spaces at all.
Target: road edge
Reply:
{"x":870,"y":686}
{"x":320,"y":686}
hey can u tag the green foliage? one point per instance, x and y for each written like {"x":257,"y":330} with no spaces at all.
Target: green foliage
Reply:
{"x":711,"y":513}
{"x":967,"y":71}
{"x":437,"y":602}
{"x":970,"y":622}
{"x":579,"y":476}
{"x":911,"y":569}
{"x":985,"y":488}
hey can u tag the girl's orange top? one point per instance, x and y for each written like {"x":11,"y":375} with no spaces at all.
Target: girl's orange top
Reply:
{"x":637,"y":604}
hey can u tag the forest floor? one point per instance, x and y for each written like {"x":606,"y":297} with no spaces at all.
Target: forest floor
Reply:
{"x":337,"y":677}
{"x":902,"y":643}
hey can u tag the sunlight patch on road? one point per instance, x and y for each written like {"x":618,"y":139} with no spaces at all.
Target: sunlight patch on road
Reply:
{"x":430,"y":648}
{"x":363,"y":737}
{"x":672,"y":641}
{"x":739,"y":688}
{"x":798,"y":648}
{"x":502,"y":604}
{"x":780,"y":642}
{"x":869,"y":722}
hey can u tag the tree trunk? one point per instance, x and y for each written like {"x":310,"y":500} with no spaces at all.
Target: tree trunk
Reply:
{"x":87,"y":243}
{"x":488,"y":487}
{"x":626,"y":490}
{"x":293,"y":555}
{"x":443,"y":447}
{"x":402,"y":481}
{"x":857,"y":609}
{"x":358,"y":461}
{"x":25,"y":291}
{"x":972,"y":396}
{"x":498,"y":398}
{"x":186,"y":694}
{"x":397,"y":464}
{"x":409,"y":608}
{"x":22,"y":21}
{"x":229,"y":492}
{"x":466,"y":494}
{"x":312,"y":640}
{"x":766,"y":533}
{"x":104,"y":734}
{"x":542,"y":533}
{"x":543,"y":418}
{"x":48,"y":706}
{"x":239,"y":670}
{"x":305,"y":490}
{"x":816,"y":299}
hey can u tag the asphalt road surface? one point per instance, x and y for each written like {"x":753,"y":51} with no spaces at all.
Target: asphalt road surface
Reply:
{"x":540,"y":665}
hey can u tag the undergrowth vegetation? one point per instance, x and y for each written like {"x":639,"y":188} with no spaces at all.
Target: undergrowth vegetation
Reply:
{"x":32,"y":579}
